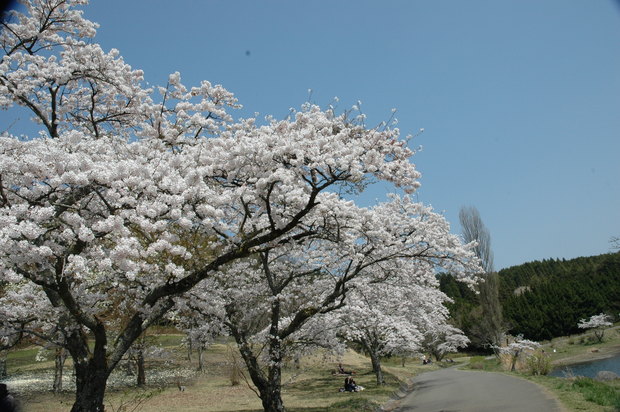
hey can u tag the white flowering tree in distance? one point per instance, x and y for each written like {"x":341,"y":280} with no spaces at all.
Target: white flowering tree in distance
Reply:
{"x":381,"y":319}
{"x":443,"y":338}
{"x":199,"y":316}
{"x":598,"y":323}
{"x":403,"y":314}
{"x":98,"y":211}
{"x":393,"y":246}
{"x":439,"y":337}
{"x":518,"y":347}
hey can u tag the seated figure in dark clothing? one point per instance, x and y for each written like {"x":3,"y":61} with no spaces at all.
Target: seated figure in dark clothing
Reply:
{"x":7,"y":402}
{"x":343,"y":371}
{"x":349,"y":384}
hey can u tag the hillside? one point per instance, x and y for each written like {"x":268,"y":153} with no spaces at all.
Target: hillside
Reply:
{"x":546,"y":299}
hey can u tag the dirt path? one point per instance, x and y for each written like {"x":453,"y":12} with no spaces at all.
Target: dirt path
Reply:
{"x":452,"y":390}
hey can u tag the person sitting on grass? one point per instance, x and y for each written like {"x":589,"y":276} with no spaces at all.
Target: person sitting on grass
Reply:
{"x":342,"y":371}
{"x":351,"y":386}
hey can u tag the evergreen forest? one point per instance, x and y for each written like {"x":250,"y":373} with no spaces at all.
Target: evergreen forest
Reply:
{"x":543,"y":299}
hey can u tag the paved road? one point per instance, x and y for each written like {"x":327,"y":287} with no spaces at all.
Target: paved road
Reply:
{"x":452,"y":390}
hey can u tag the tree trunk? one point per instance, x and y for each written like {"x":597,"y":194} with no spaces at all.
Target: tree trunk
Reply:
{"x":189,"y":350}
{"x":141,"y":369}
{"x":269,"y":387}
{"x":90,"y":368}
{"x":3,"y":370}
{"x":492,"y":322}
{"x":513,"y":364}
{"x":376,"y":366}
{"x":271,"y":390}
{"x":272,"y":399}
{"x":90,"y":380}
{"x":59,"y":365}
{"x":201,"y":359}
{"x":272,"y":394}
{"x":600,"y":334}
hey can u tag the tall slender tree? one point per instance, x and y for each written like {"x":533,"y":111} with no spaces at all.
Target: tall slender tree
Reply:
{"x":490,"y":328}
{"x":615,"y":243}
{"x":474,"y":230}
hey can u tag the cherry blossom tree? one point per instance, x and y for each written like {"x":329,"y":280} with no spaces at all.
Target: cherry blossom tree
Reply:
{"x":96,"y":210}
{"x":444,"y":339}
{"x":598,"y":323}
{"x":286,"y":288}
{"x":403,"y":314}
{"x":379,"y":318}
{"x":201,"y":318}
{"x":517,"y":348}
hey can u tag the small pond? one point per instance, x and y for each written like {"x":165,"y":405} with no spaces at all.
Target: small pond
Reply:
{"x":590,"y":369}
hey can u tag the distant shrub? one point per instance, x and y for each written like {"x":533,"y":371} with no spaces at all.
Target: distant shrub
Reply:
{"x":234,"y":374}
{"x":571,"y":341}
{"x":539,"y":364}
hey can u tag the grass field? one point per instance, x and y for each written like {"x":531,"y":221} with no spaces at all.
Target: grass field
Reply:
{"x":307,"y":387}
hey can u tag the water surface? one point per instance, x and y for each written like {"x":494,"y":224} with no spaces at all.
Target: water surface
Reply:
{"x":589,"y":369}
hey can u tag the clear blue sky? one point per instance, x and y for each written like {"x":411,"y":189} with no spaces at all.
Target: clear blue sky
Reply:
{"x":519,"y":99}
